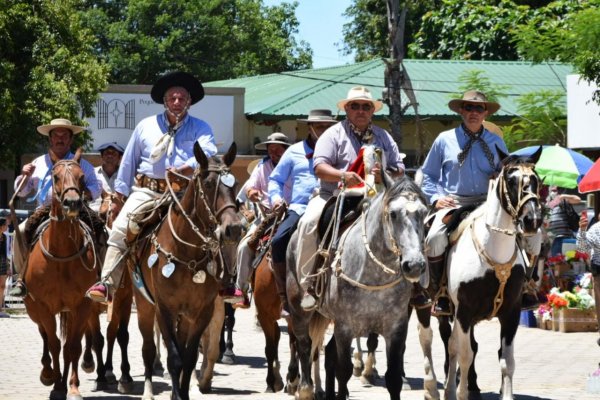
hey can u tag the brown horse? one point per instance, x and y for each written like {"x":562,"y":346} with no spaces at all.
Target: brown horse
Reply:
{"x":60,"y":267}
{"x":181,"y":261}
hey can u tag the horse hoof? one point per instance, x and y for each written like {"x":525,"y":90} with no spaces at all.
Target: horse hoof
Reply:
{"x":46,"y":380}
{"x":405,"y":384}
{"x":125,"y":387}
{"x":74,"y":397}
{"x":100,"y":386}
{"x":157,"y":368}
{"x":228,"y":358}
{"x":474,"y":395}
{"x":110,"y":377}
{"x":88,"y":366}
{"x":367,"y":380}
{"x":206,"y":388}
{"x":58,"y":395}
{"x":278,"y":386}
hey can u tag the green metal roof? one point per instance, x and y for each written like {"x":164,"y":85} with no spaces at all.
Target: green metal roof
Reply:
{"x":292,"y":94}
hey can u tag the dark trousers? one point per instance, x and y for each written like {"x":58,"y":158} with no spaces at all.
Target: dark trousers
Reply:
{"x":283,"y":236}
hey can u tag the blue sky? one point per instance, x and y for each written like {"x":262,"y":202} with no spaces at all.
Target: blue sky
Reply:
{"x":321,"y":24}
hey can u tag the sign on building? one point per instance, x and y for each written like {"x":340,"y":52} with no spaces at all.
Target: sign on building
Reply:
{"x":583,"y":114}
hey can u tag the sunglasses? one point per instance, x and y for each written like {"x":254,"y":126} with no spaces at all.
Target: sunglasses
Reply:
{"x":473,"y":107}
{"x":358,"y":106}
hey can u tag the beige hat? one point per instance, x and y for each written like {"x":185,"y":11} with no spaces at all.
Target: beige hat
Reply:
{"x":474,"y":96}
{"x":274,"y":138}
{"x":59,"y":123}
{"x":319,"y":116}
{"x":359,"y":93}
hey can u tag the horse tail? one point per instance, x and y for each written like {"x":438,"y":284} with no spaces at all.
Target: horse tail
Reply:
{"x":64,"y":325}
{"x":316,"y":329}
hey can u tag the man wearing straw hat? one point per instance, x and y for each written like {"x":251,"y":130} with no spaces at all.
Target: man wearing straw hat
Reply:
{"x":60,"y":133}
{"x":256,"y":191}
{"x":160,"y":143}
{"x":334,"y":153}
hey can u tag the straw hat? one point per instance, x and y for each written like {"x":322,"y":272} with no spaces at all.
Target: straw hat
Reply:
{"x":360,"y":93}
{"x":59,"y":123}
{"x":173,"y":79}
{"x":319,"y":116}
{"x":474,"y":96}
{"x":274,"y":138}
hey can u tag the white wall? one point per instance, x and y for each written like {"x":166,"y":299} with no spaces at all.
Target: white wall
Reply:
{"x":583,"y":115}
{"x":117,"y":114}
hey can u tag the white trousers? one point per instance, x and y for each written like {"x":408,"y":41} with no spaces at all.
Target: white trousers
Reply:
{"x":308,"y":236}
{"x":139,"y":200}
{"x":245,"y":257}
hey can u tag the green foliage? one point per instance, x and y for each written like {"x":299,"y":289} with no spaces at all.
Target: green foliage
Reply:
{"x":541,"y":120}
{"x":212,"y":39}
{"x":47,"y":70}
{"x":566,"y":31}
{"x":475,"y":79}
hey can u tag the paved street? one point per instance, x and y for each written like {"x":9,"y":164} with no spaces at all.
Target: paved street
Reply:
{"x":550,"y":365}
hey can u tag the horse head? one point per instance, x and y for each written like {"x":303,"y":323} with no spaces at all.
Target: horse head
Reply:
{"x":404,"y":211}
{"x":518,"y":191}
{"x":68,"y":184}
{"x":219,"y":186}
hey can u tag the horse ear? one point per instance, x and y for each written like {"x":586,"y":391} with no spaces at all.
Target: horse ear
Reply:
{"x":77,"y":155}
{"x":229,"y":157}
{"x":503,"y":156}
{"x":53,"y":157}
{"x":200,"y":157}
{"x":388,"y":181}
{"x":536,"y":156}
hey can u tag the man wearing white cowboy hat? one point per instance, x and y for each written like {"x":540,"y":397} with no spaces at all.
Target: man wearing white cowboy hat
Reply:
{"x":106,"y":173}
{"x":456,"y":172}
{"x":335,"y":151}
{"x":255,"y":190}
{"x":60,"y":132}
{"x":160,"y":143}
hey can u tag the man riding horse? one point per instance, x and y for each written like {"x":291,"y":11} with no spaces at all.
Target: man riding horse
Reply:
{"x":456,"y":173}
{"x":335,"y":151}
{"x":111,"y":154}
{"x":159,"y":144}
{"x":297,"y":165}
{"x":60,"y":133}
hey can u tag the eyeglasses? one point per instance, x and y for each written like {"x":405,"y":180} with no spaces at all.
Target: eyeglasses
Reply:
{"x":473,"y":107}
{"x":359,"y":106}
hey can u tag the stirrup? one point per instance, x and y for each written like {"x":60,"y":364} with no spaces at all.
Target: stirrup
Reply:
{"x":100,"y":293}
{"x":18,"y":290}
{"x":308,"y":302}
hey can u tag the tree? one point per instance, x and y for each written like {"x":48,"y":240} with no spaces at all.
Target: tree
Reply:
{"x":47,"y":70}
{"x":571,"y":35}
{"x":141,"y":39}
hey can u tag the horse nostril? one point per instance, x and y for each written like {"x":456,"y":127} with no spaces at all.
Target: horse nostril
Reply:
{"x":234,"y":231}
{"x":72,"y":204}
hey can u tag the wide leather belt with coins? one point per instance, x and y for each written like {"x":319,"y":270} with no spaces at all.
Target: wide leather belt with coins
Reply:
{"x":160,"y":185}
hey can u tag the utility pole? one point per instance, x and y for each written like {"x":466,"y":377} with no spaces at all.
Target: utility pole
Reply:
{"x":394,"y":72}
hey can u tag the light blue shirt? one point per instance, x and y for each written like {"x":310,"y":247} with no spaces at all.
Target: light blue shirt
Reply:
{"x":40,"y":180}
{"x":295,"y":166}
{"x":136,"y":159}
{"x":443,"y":175}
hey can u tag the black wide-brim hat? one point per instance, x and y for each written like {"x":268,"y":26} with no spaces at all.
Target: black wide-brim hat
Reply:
{"x":173,"y":79}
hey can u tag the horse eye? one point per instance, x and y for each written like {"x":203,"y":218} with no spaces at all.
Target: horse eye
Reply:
{"x":393,"y":214}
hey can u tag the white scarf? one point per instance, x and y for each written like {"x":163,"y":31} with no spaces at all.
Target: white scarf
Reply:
{"x":165,"y":144}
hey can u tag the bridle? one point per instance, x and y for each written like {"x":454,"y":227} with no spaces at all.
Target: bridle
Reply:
{"x":68,"y":171}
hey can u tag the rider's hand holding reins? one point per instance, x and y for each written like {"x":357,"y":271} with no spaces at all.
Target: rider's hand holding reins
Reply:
{"x":28,"y":169}
{"x":254,"y":195}
{"x":116,"y":204}
{"x":445,"y":202}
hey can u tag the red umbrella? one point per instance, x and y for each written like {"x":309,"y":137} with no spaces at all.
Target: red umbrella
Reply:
{"x":591,"y":180}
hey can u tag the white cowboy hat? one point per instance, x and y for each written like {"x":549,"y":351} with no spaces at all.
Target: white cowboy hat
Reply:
{"x":319,"y":116}
{"x":59,"y":123}
{"x":274,"y":138}
{"x":474,"y":96}
{"x":360,"y":93}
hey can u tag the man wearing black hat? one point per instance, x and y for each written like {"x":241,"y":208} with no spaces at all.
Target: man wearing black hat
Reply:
{"x":106,"y":173}
{"x":159,"y":143}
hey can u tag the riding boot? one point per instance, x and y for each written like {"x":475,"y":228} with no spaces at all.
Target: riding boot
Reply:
{"x":309,"y":300}
{"x":441,"y":304}
{"x":279,"y":270}
{"x":419,"y":297}
{"x":19,"y":289}
{"x":529,"y":297}
{"x":112,"y":272}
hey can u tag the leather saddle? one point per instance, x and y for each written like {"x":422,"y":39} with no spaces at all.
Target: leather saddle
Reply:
{"x":351,"y":210}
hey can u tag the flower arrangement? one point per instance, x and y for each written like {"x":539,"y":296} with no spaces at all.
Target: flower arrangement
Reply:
{"x":579,"y":297}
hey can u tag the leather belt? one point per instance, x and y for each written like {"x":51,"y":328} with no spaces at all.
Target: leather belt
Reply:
{"x":160,"y":185}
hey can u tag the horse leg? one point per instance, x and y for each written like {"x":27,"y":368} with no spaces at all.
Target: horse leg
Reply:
{"x":210,"y":346}
{"x":146,"y":326}
{"x":87,"y":362}
{"x":395,"y":348}
{"x":465,"y":358}
{"x":228,"y":356}
{"x":474,"y":391}
{"x":46,"y":376}
{"x":357,"y":363}
{"x":426,"y":341}
{"x":157,"y":367}
{"x":75,"y":324}
{"x":125,"y":385}
{"x":272,"y":335}
{"x":370,"y":374}
{"x":343,"y":362}
{"x":293,"y":375}
{"x":330,"y":364}
{"x":304,"y":343}
{"x":189,"y":344}
{"x":508,"y":330}
{"x":94,"y":329}
{"x":47,"y":327}
{"x":111,"y":335}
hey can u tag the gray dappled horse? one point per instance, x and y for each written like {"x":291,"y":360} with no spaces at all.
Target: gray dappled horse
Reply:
{"x":370,"y":282}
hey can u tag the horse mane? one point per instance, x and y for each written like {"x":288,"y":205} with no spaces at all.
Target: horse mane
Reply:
{"x":404,"y":184}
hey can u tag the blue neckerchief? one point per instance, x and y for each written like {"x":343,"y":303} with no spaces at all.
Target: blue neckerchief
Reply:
{"x":42,"y":189}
